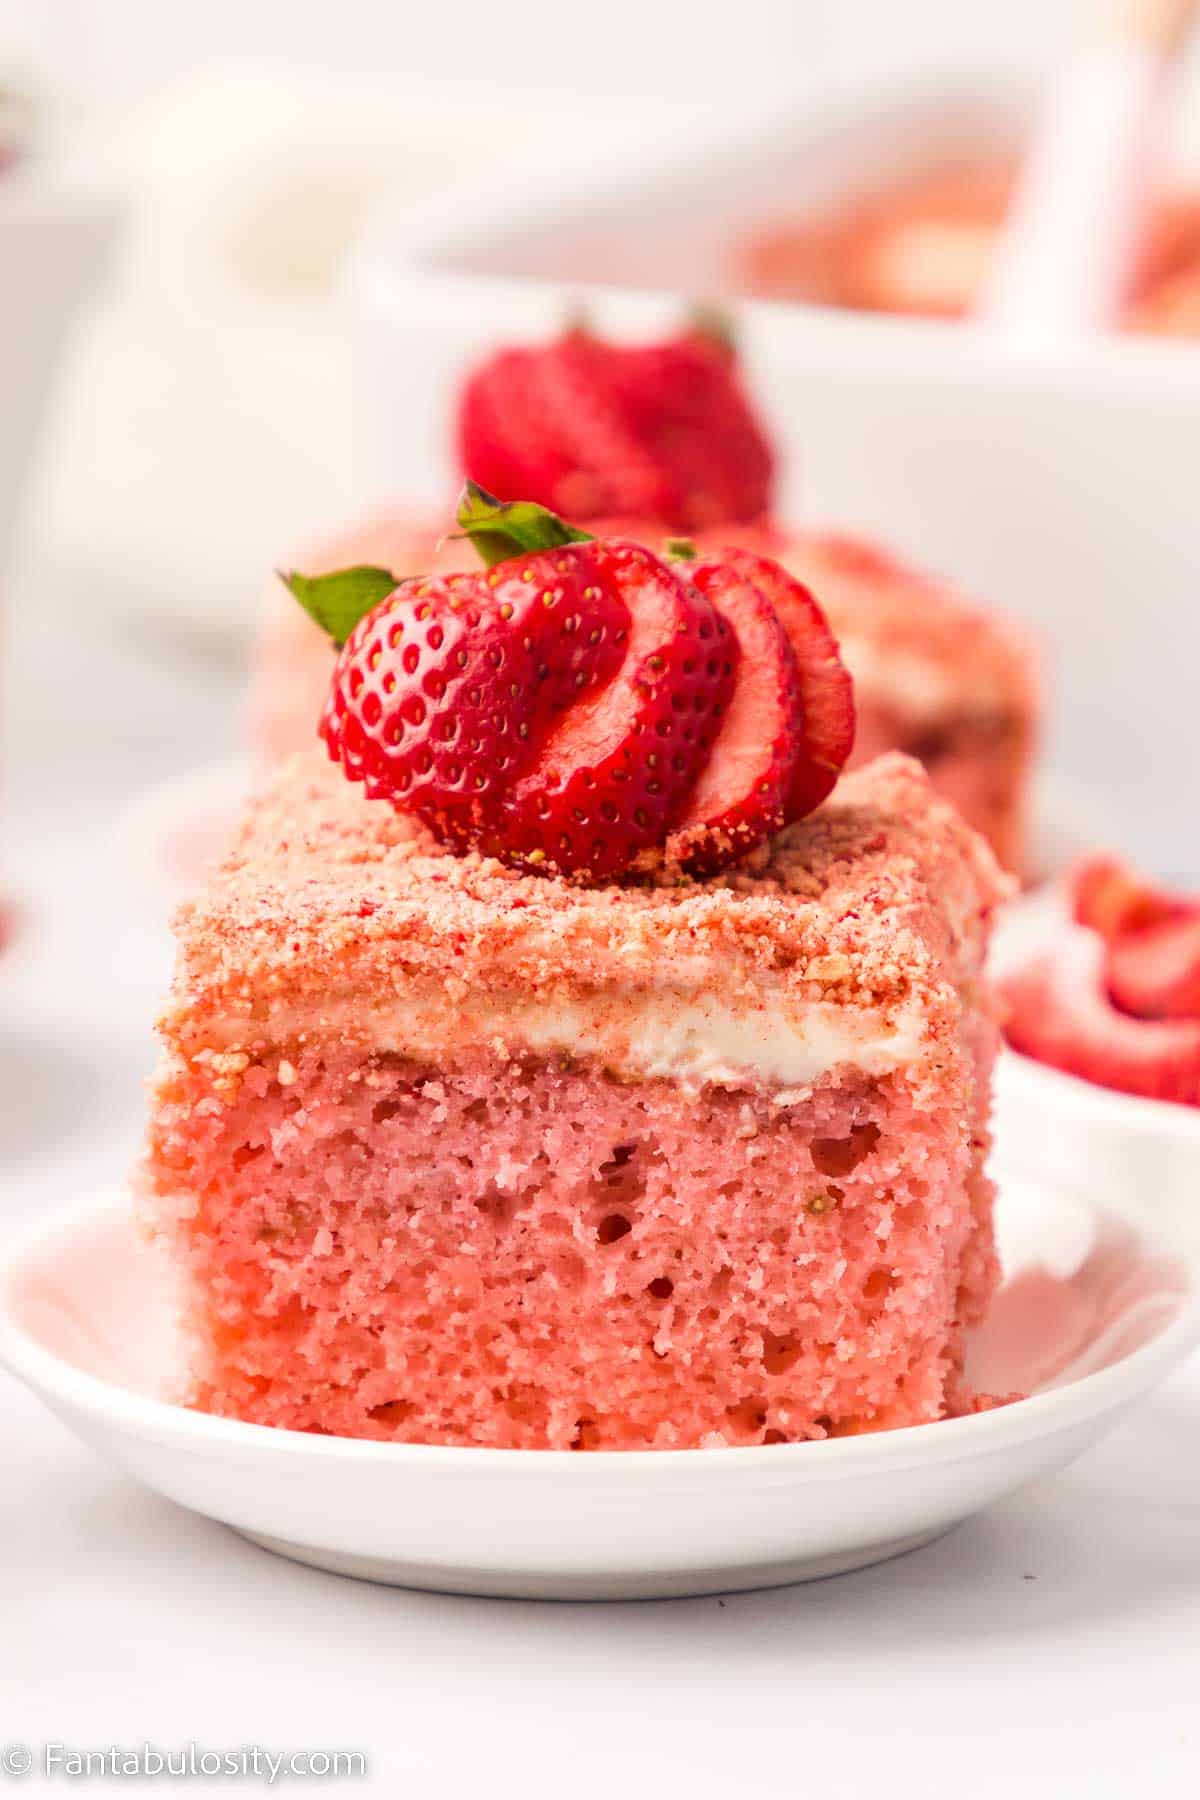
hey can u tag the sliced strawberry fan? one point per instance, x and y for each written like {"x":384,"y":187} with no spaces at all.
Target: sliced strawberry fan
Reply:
{"x":581,"y":705}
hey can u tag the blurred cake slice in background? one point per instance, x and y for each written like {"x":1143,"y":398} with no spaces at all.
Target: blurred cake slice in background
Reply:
{"x":936,"y":674}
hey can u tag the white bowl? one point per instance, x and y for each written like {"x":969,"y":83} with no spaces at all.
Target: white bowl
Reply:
{"x":1102,"y":1311}
{"x":1054,"y":483}
{"x":53,"y":240}
{"x":223,"y":360}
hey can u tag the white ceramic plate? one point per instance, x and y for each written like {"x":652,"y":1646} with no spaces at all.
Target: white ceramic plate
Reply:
{"x":1096,"y":1310}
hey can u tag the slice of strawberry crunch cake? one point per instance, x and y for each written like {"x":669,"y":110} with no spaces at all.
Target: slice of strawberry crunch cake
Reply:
{"x":570,"y":1088}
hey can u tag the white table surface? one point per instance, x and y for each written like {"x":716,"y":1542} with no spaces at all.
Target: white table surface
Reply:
{"x":1050,"y":1648}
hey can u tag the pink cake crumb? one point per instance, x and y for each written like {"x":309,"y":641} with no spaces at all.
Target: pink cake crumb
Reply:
{"x":545,"y":1260}
{"x":482,"y":1242}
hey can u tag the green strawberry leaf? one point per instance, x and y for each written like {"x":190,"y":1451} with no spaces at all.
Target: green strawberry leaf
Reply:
{"x":503,"y":528}
{"x":339,"y":600}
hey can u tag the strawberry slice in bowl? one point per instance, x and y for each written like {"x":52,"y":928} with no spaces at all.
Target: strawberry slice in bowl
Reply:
{"x":1099,"y":979}
{"x":1154,"y":973}
{"x":1059,"y":1013}
{"x":1086,"y":1094}
{"x":1110,"y":898}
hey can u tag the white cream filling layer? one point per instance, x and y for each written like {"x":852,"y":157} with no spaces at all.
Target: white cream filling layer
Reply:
{"x":661,"y":1035}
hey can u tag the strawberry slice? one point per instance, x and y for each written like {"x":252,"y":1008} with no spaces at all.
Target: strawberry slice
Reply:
{"x":445,"y":686}
{"x":1109,"y":897}
{"x":428,"y":699}
{"x":613,"y":775}
{"x":1154,"y":973}
{"x":826,"y":690}
{"x":742,"y":793}
{"x":1059,"y":1013}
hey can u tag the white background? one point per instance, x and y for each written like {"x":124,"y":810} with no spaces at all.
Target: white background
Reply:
{"x":649,"y":47}
{"x":1049,"y":1648}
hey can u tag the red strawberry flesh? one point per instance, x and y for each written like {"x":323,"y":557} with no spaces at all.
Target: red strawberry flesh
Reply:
{"x":826,"y":690}
{"x":414,"y":666}
{"x":1109,"y":897}
{"x":614,"y":774}
{"x":662,"y":432}
{"x":1059,"y":1013}
{"x":683,"y":405}
{"x":741,"y":795}
{"x":443,"y":692}
{"x":512,"y":436}
{"x":1154,"y":973}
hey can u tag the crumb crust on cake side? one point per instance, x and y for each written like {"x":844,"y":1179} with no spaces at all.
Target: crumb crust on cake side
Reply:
{"x":878,"y":903}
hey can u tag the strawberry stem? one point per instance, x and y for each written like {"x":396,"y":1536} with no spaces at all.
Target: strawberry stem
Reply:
{"x":681,"y":550}
{"x":500,"y":529}
{"x":339,"y":600}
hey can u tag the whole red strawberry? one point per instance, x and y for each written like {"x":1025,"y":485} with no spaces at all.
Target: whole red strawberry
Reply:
{"x":660,"y":431}
{"x":580,"y":706}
